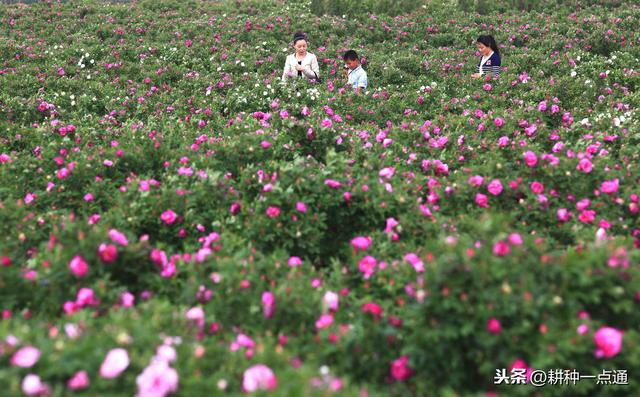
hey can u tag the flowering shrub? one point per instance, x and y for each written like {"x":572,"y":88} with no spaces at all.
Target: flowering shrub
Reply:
{"x":175,"y":220}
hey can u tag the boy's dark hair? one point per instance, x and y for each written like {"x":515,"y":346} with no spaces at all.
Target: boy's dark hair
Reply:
{"x":490,"y":42}
{"x":351,"y":55}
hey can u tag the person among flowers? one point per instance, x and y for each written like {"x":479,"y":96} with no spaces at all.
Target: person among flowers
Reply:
{"x":489,"y":63}
{"x":353,"y":71}
{"x":302,"y":63}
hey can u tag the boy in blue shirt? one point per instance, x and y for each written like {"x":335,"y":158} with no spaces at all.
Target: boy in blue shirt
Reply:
{"x":353,"y":70}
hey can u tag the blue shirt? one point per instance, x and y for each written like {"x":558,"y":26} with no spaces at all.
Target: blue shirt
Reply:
{"x":358,"y":78}
{"x":491,"y":66}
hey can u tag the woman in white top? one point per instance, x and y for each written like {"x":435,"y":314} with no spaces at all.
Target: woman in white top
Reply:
{"x":301,"y":63}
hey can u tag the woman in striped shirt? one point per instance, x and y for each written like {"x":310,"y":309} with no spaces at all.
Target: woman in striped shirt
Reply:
{"x":490,"y":61}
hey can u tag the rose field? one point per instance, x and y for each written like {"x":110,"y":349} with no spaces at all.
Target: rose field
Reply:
{"x":176,"y":220}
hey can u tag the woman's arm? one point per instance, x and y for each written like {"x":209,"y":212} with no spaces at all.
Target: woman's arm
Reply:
{"x":314,"y":70}
{"x":287,"y":69}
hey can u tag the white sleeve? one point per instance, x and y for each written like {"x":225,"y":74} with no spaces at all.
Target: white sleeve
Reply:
{"x":287,"y":69}
{"x":314,"y":67}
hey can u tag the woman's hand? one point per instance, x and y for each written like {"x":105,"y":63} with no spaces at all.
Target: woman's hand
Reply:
{"x":300,"y":68}
{"x":476,"y":75}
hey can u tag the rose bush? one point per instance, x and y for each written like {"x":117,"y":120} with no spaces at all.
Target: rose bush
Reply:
{"x":176,"y":220}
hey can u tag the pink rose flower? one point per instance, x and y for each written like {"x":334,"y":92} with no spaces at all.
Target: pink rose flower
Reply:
{"x":476,"y":180}
{"x":259,"y":377}
{"x":330,"y":301}
{"x":367,"y":266}
{"x":521,"y":364}
{"x":495,"y":187}
{"x":26,"y":357}
{"x":387,"y":172}
{"x":584,"y":165}
{"x":85,"y":297}
{"x":326,"y":123}
{"x":116,"y":361}
{"x":542,"y":106}
{"x":415,"y":261}
{"x":78,"y":266}
{"x":29,"y":198}
{"x":361,"y":243}
{"x":609,"y":187}
{"x":127,"y":299}
{"x":234,"y":208}
{"x":332,"y":183}
{"x":503,"y":141}
{"x":32,"y":386}
{"x":537,"y":187}
{"x":196,"y":315}
{"x":157,"y":380}
{"x":373,"y":308}
{"x":108,"y":253}
{"x":79,"y":381}
{"x":324,"y":321}
{"x":268,"y":304}
{"x":587,"y":216}
{"x":118,"y":237}
{"x":515,"y":239}
{"x":501,"y":248}
{"x":294,"y":261}
{"x":530,"y":158}
{"x":390,"y":224}
{"x":166,"y":353}
{"x":482,"y":200}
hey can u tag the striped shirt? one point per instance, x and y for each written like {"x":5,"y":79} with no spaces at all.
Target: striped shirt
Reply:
{"x":490,"y":65}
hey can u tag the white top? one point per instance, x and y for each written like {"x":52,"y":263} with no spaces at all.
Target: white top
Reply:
{"x":484,"y":59}
{"x":358,"y":78}
{"x":310,"y":63}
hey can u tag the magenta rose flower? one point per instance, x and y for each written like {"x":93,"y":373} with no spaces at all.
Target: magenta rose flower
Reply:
{"x":608,"y":342}
{"x":168,"y":217}
{"x":273,"y":212}
{"x":494,"y":326}
{"x":78,"y":266}
{"x":400,"y":369}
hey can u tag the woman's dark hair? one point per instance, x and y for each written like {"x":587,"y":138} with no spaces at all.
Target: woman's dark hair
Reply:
{"x":297,"y":36}
{"x":490,"y":42}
